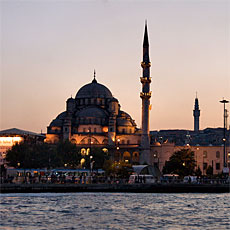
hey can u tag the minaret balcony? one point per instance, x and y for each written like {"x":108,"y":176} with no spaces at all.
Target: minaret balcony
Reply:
{"x":145,"y":79}
{"x":145,"y":64}
{"x":145,"y":95}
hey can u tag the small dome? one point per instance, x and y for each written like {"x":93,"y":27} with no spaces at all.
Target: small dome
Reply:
{"x":123,"y":114}
{"x":94,"y":90}
{"x":59,"y":119}
{"x":56,"y":122}
{"x":123,"y":122}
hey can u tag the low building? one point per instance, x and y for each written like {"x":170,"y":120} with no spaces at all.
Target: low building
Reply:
{"x":204,"y":155}
{"x":10,"y":137}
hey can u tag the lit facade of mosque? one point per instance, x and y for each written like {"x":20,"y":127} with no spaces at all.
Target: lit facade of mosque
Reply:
{"x":94,"y":117}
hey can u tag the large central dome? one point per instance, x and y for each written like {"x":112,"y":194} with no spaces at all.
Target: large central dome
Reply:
{"x":94,"y":90}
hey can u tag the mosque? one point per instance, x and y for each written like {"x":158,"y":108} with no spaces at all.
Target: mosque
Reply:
{"x":94,"y":118}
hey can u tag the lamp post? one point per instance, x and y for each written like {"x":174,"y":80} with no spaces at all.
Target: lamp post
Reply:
{"x":224,"y":138}
{"x":117,"y":150}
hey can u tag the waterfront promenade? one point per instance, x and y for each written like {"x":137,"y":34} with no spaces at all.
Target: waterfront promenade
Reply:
{"x":131,"y":188}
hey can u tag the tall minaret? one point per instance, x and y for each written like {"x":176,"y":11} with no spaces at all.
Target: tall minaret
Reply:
{"x":196,"y":114}
{"x":145,"y":96}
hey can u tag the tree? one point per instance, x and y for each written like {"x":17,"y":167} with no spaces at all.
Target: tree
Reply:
{"x":209,"y":171}
{"x":198,"y":172}
{"x":120,"y":169}
{"x":181,"y":162}
{"x":68,"y":154}
{"x":43,"y":155}
{"x":99,"y":157}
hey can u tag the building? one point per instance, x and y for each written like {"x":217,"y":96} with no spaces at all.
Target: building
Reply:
{"x":206,"y":144}
{"x":10,"y":137}
{"x":94,"y":119}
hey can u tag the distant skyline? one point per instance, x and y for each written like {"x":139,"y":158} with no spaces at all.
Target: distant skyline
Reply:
{"x":49,"y":50}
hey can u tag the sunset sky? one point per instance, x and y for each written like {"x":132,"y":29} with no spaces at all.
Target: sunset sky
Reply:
{"x":49,"y":50}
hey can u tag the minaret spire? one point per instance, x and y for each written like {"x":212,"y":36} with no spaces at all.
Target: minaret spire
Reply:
{"x":146,"y":40}
{"x":145,"y":96}
{"x":196,"y":115}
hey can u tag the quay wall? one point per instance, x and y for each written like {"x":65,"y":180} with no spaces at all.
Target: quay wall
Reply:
{"x":129,"y":188}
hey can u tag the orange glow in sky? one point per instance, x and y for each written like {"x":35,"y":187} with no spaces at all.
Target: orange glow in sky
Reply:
{"x":49,"y":50}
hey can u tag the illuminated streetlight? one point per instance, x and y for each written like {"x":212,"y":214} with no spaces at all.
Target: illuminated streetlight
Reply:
{"x":224,"y":138}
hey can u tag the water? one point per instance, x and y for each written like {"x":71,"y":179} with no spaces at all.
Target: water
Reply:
{"x":114,"y":211}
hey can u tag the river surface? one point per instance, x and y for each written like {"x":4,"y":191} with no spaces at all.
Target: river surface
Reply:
{"x":114,"y":211}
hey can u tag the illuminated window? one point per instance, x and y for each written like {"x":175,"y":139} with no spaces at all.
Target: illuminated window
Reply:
{"x":105,"y":129}
{"x":83,"y":152}
{"x":105,"y":150}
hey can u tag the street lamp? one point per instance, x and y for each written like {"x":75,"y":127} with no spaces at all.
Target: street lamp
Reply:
{"x":224,"y":138}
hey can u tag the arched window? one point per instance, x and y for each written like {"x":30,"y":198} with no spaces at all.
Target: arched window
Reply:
{"x":126,"y":156}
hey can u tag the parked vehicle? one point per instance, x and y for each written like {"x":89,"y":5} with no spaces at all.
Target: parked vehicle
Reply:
{"x":170,"y":178}
{"x":190,"y":179}
{"x":145,"y":179}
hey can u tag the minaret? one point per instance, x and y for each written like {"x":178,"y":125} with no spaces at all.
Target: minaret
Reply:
{"x":196,"y":114}
{"x":145,"y":96}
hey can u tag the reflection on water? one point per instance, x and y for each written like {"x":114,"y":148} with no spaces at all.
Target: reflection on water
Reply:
{"x":114,"y":211}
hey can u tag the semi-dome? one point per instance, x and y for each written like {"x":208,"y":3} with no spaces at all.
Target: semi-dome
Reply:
{"x":94,"y":90}
{"x":91,"y":112}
